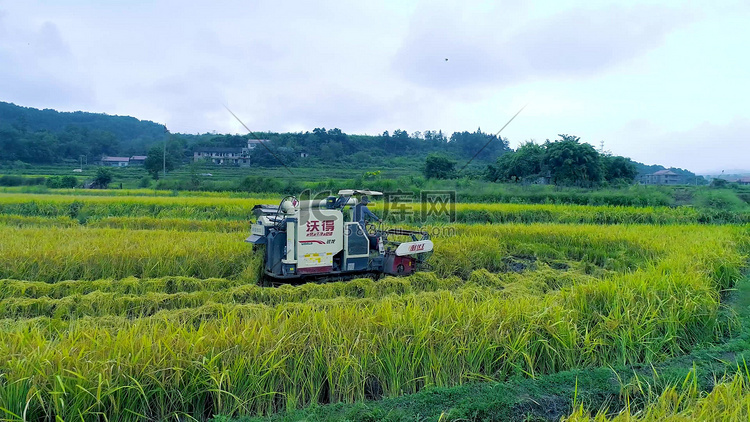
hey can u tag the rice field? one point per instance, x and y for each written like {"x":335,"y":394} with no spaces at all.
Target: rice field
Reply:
{"x":87,"y":207}
{"x":147,"y":308}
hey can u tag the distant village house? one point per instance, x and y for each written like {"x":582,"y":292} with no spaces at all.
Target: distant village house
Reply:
{"x":115,"y":161}
{"x":136,"y":160}
{"x":662,"y":177}
{"x":227,"y":155}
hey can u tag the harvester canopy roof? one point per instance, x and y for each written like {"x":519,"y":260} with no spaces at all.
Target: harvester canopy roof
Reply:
{"x":350,"y":192}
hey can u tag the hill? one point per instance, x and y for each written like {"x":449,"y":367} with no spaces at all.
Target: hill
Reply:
{"x":48,"y":136}
{"x":333,"y":147}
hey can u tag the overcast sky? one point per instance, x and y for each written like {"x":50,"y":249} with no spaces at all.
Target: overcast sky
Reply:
{"x":661,"y":82}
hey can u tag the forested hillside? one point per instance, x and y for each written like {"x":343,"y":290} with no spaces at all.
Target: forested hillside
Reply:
{"x":49,"y":136}
{"x":332,"y":146}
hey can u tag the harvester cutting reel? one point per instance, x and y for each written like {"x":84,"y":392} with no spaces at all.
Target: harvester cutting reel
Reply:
{"x":410,"y":243}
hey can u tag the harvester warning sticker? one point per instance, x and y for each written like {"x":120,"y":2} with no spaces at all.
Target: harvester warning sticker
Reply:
{"x":318,"y":258}
{"x":319,"y":228}
{"x":419,"y":247}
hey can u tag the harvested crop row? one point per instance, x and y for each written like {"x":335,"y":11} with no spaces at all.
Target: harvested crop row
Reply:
{"x":10,"y":288}
{"x":240,"y":359}
{"x":461,"y":249}
{"x":23,"y":299}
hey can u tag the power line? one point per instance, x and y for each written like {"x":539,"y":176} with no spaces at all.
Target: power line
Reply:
{"x":491,"y":139}
{"x":259,"y":140}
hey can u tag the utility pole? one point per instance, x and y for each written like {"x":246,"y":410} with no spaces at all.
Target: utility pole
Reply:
{"x":164,"y":158}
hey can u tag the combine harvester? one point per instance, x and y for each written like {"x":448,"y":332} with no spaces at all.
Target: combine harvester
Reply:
{"x":305,"y":241}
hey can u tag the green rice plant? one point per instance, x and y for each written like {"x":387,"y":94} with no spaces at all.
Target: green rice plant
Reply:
{"x":130,"y":223}
{"x":55,"y":254}
{"x":729,"y":401}
{"x":182,"y":224}
{"x":248,"y":350}
{"x":161,"y":318}
{"x":239,"y":209}
{"x":465,"y":248}
{"x":25,"y":221}
{"x":129,"y":206}
{"x":408,"y":342}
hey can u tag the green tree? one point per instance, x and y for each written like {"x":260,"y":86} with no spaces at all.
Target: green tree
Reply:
{"x":69,"y":181}
{"x":145,"y":182}
{"x":618,"y":168}
{"x":719,"y":183}
{"x":261,"y":184}
{"x":438,"y":166}
{"x":285,"y":156}
{"x":155,"y":163}
{"x":103,"y":177}
{"x":573,"y":163}
{"x":53,"y":182}
{"x":62,"y":182}
{"x":480,"y":145}
{"x":525,"y":162}
{"x":47,"y":136}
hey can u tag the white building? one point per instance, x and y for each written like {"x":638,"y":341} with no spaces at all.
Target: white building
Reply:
{"x":228,"y":155}
{"x":115,"y":161}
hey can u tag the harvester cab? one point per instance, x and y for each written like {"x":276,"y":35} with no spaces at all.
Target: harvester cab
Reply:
{"x":311,"y":240}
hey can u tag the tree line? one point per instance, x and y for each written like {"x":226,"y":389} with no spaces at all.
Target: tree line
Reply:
{"x":566,"y":161}
{"x":47,"y":136}
{"x":333,"y":146}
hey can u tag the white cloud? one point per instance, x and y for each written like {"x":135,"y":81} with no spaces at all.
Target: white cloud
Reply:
{"x":370,"y":67}
{"x":703,"y":148}
{"x":36,"y":67}
{"x":483,"y":49}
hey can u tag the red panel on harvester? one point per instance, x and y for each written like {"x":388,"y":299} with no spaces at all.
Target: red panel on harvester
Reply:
{"x":399,"y":265}
{"x":315,"y":270}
